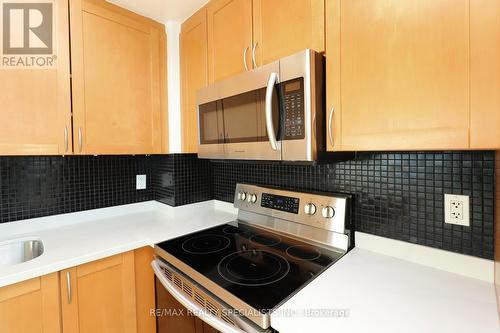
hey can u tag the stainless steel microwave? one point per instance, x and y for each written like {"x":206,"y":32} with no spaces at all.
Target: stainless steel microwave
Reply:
{"x":274,"y":112}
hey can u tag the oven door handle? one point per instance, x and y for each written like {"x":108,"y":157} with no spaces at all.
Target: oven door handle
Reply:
{"x":189,"y":304}
{"x":273,"y":80}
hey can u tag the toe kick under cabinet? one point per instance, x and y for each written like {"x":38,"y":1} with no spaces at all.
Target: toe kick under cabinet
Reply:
{"x":114,"y":295}
{"x":104,"y":91}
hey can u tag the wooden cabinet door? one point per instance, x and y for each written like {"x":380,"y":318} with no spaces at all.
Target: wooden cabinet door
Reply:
{"x":283,"y":27}
{"x":145,"y":289}
{"x":398,"y":74}
{"x":100,"y":296}
{"x":31,"y":306}
{"x":117,"y":79}
{"x":485,"y":74}
{"x":194,"y":75}
{"x":35,"y":104}
{"x":229,"y":35}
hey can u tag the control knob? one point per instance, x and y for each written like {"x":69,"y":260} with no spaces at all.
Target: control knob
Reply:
{"x":252,"y":198}
{"x":242,"y":196}
{"x":310,"y":209}
{"x":328,"y":212}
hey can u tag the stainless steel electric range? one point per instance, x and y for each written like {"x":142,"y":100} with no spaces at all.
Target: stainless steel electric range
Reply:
{"x":234,"y":275}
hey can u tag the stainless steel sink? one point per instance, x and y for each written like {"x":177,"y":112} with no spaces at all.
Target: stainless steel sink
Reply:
{"x":17,"y":251}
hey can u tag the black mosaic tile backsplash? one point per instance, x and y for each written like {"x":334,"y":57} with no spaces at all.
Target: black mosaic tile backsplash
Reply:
{"x":182,"y":179}
{"x":46,"y":185}
{"x":396,"y":195}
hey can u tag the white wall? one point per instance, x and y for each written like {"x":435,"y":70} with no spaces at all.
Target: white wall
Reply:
{"x":173,"y":84}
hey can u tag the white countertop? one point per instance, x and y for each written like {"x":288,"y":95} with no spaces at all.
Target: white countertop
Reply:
{"x":368,"y":292}
{"x":77,"y":238}
{"x":377,"y":292}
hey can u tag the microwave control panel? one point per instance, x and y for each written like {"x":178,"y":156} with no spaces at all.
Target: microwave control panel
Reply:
{"x":293,"y":98}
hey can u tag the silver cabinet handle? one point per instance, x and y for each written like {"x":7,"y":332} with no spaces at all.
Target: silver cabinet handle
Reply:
{"x":66,"y":139}
{"x":80,"y":139}
{"x":68,"y":284}
{"x":253,"y":56}
{"x":245,"y":58}
{"x":330,"y":127}
{"x":273,"y":80}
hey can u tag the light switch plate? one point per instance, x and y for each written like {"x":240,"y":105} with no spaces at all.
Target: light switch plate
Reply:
{"x":140,"y":182}
{"x":456,"y":209}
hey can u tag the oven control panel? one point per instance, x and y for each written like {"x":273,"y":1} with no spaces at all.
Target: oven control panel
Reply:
{"x":279,"y":202}
{"x":293,"y":98}
{"x":324,"y":211}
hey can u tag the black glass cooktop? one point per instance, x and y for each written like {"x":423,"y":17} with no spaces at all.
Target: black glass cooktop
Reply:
{"x":260,"y":267}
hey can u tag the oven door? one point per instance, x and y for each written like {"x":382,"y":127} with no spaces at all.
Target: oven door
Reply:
{"x":198,"y":301}
{"x":239,"y":118}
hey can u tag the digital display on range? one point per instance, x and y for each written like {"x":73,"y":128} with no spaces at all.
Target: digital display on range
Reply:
{"x":278,"y":202}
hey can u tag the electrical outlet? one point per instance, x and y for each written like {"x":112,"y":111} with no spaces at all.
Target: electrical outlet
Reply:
{"x":456,"y":209}
{"x":140,"y":182}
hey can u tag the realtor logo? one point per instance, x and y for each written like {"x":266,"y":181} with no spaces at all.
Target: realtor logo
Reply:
{"x":27,"y":34}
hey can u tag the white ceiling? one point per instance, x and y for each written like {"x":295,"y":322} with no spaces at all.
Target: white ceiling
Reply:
{"x":162,"y":10}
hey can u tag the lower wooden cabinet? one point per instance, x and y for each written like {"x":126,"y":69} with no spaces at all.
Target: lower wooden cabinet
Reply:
{"x":145,"y":289}
{"x":31,"y":306}
{"x":112,"y":295}
{"x":173,"y":316}
{"x":100,"y":296}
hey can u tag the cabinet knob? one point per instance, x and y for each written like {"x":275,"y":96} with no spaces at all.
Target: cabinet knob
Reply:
{"x":245,"y":58}
{"x":253,"y":56}
{"x":66,"y":142}
{"x":330,"y":127}
{"x":80,"y":139}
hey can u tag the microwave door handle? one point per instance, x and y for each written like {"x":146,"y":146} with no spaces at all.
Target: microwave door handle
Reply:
{"x":273,"y":80}
{"x":188,"y":303}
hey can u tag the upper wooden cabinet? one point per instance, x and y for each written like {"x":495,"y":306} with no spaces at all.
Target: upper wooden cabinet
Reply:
{"x":408,"y":75}
{"x":229,"y":37}
{"x":100,"y":296}
{"x":117,"y":80}
{"x":194,"y":75}
{"x":244,"y":34}
{"x":283,"y":27}
{"x":485,"y":74}
{"x":117,"y":86}
{"x":31,"y":306}
{"x":398,"y":74}
{"x":35,"y":104}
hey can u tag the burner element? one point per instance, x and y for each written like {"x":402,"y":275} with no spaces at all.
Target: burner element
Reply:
{"x":303,"y":252}
{"x":253,"y":268}
{"x":267,"y":240}
{"x":206,"y":244}
{"x":232,"y":230}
